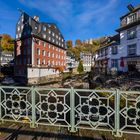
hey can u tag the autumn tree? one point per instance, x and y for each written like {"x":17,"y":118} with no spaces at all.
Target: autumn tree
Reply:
{"x":78,"y":42}
{"x":83,"y":47}
{"x":7,"y":43}
{"x":69,"y":44}
{"x":80,"y":67}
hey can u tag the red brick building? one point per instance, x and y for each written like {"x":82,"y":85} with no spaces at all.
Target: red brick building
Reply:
{"x":38,"y":46}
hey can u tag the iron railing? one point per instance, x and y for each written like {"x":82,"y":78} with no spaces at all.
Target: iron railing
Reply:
{"x":105,"y":110}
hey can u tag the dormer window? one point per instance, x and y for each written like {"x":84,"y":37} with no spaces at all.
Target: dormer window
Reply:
{"x":18,"y":28}
{"x":44,"y":28}
{"x":131,"y":18}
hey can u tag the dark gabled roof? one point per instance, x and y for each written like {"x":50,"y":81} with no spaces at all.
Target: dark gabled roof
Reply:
{"x":47,"y":23}
{"x":135,"y":9}
{"x":111,"y":40}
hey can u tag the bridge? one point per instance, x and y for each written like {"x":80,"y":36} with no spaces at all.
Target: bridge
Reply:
{"x":104,"y":110}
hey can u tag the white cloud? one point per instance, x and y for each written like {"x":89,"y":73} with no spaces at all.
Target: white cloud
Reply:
{"x":73,"y":15}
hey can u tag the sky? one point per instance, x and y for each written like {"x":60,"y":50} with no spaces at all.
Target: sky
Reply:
{"x":76,"y":19}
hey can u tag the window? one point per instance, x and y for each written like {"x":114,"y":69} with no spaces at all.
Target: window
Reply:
{"x":38,"y":61}
{"x":49,"y":46}
{"x":21,"y":27}
{"x":49,"y":38}
{"x":49,"y":31}
{"x":132,"y":33}
{"x":16,"y":35}
{"x":132,"y":49}
{"x":43,"y":44}
{"x":52,"y":34}
{"x":48,"y":54}
{"x":38,"y":51}
{"x":43,"y":53}
{"x":49,"y":63}
{"x":106,"y":51}
{"x":52,"y":54}
{"x":43,"y":61}
{"x":44,"y":35}
{"x":18,"y":28}
{"x":20,"y":35}
{"x":39,"y":42}
{"x":114,"y":49}
{"x":114,"y":63}
{"x":131,"y":18}
{"x":44,"y":28}
{"x":52,"y":62}
{"x":36,"y":26}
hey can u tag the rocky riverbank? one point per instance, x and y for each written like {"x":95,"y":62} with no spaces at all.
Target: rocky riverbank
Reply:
{"x":125,"y":81}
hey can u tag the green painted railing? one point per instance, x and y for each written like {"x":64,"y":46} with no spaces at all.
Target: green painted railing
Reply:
{"x":105,"y":110}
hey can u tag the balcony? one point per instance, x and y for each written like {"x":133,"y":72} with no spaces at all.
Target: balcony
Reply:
{"x":124,"y":23}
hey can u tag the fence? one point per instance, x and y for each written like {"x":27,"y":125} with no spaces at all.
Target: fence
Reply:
{"x":105,"y":110}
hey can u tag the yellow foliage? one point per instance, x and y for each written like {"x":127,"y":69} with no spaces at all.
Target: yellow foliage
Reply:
{"x":7,"y":43}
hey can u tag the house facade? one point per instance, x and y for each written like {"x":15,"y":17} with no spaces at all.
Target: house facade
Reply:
{"x":88,"y":60}
{"x":71,"y":63}
{"x":39,"y":47}
{"x":108,"y":55}
{"x":129,"y":31}
{"x":6,"y":57}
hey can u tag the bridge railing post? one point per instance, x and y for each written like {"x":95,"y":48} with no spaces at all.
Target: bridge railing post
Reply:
{"x":117,"y":132}
{"x":33,"y":100}
{"x":72,"y":111}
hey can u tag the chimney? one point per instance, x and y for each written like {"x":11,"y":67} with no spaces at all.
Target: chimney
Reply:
{"x":130,"y":7}
{"x":36,"y":18}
